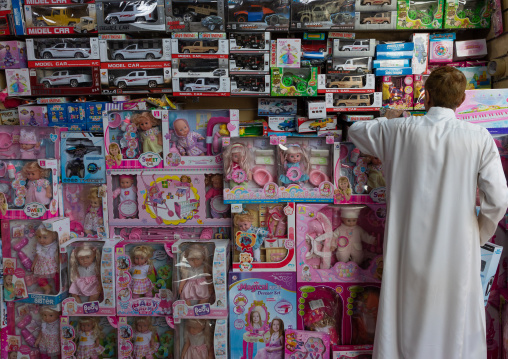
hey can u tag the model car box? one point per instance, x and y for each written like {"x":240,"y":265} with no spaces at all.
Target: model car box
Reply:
{"x":336,"y":102}
{"x":354,"y":117}
{"x":199,"y":67}
{"x":426,"y":14}
{"x":249,"y":63}
{"x":13,"y":55}
{"x":140,"y":50}
{"x":382,"y":20}
{"x":359,"y":65}
{"x":375,"y":5}
{"x":472,"y":14}
{"x":276,"y":107}
{"x":419,"y":91}
{"x":391,"y":63}
{"x":203,"y":16}
{"x":129,"y":16}
{"x":60,"y":19}
{"x":354,"y":47}
{"x":490,"y":256}
{"x":201,"y":86}
{"x":135,"y":77}
{"x":345,"y":83}
{"x":294,"y":82}
{"x":319,"y":15}
{"x":255,"y":42}
{"x":282,"y":124}
{"x":266,"y":16}
{"x":62,"y":49}
{"x":6,"y":25}
{"x":308,"y":125}
{"x":250,"y":85}
{"x":190,"y":45}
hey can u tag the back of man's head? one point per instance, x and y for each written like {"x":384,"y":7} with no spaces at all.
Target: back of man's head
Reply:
{"x":446,"y":87}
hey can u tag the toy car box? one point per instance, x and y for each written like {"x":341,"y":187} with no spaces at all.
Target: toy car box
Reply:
{"x":393,"y":71}
{"x":249,"y":63}
{"x":130,"y":16}
{"x":255,"y":42}
{"x":336,"y":102}
{"x":397,"y":92}
{"x":266,"y":16}
{"x":139,"y":50}
{"x":134,"y":77}
{"x":382,"y":20}
{"x":13,"y":55}
{"x":60,"y":19}
{"x":62,"y":49}
{"x":281,"y":125}
{"x":375,"y":5}
{"x":258,"y":85}
{"x":419,"y":91}
{"x":203,"y":16}
{"x":276,"y":107}
{"x":346,"y":83}
{"x":199,"y":67}
{"x":83,"y":158}
{"x":491,"y":254}
{"x":294,"y":82}
{"x":190,"y":45}
{"x":359,"y":65}
{"x":472,"y":14}
{"x":306,"y":125}
{"x":421,"y":14}
{"x":376,"y":64}
{"x":354,"y":47}
{"x":201,"y":86}
{"x":316,"y":109}
{"x":322,"y":15}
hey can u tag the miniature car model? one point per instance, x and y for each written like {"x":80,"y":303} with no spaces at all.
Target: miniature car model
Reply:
{"x":252,"y":41}
{"x":251,"y":84}
{"x":287,"y":125}
{"x":342,"y":18}
{"x":353,"y":100}
{"x":194,"y":12}
{"x":320,"y":124}
{"x":65,"y":78}
{"x":65,"y":50}
{"x":138,"y":78}
{"x":139,"y":11}
{"x":201,"y":85}
{"x":86,"y":24}
{"x":356,"y":64}
{"x":135,"y":52}
{"x":252,"y":13}
{"x":200,"y":47}
{"x":358,"y":45}
{"x":249,"y":62}
{"x":320,"y":12}
{"x":213,"y":22}
{"x":379,"y":18}
{"x":60,"y":16}
{"x":275,"y":19}
{"x":299,"y":81}
{"x":351,"y":82}
{"x":376,"y":2}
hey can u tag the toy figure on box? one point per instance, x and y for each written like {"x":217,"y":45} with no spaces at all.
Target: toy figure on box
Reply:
{"x":214,"y":196}
{"x":196,"y":275}
{"x":28,"y":144}
{"x":187,"y":142}
{"x":144,"y":338}
{"x":295,"y":172}
{"x":198,"y":340}
{"x":20,"y":291}
{"x":88,"y":339}
{"x":255,"y":321}
{"x":142,"y":267}
{"x":288,"y":57}
{"x":275,"y":345}
{"x":8,"y":58}
{"x":9,"y":291}
{"x":115,"y":156}
{"x":343,"y":191}
{"x":85,"y":273}
{"x":243,"y":223}
{"x":38,"y":188}
{"x":94,"y":215}
{"x":151,"y":136}
{"x":19,"y":87}
{"x":321,"y":243}
{"x":32,"y":121}
{"x":165,"y":304}
{"x":45,"y":264}
{"x":127,"y":192}
{"x":237,"y":165}
{"x":349,"y":236}
{"x":48,"y":340}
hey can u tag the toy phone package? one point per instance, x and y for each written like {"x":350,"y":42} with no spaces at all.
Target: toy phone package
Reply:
{"x":397,"y":92}
{"x":261,"y":307}
{"x":144,"y":278}
{"x":32,"y":260}
{"x":339,"y":243}
{"x":145,"y":337}
{"x":199,"y":278}
{"x":83,"y":158}
{"x":200,"y":338}
{"x":29,"y":143}
{"x":300,"y":343}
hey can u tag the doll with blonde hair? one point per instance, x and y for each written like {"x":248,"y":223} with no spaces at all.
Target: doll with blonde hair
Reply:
{"x":88,"y":338}
{"x":343,"y":191}
{"x":197,"y":340}
{"x":237,"y":164}
{"x":3,"y":204}
{"x":115,"y":154}
{"x":48,"y":340}
{"x":185,"y":179}
{"x":195,"y":275}
{"x":9,"y":292}
{"x":142,"y":266}
{"x":151,"y":136}
{"x":85,"y":266}
{"x":296,"y":165}
{"x":94,"y":215}
{"x":38,"y":187}
{"x":244,"y":222}
{"x":20,"y":291}
{"x":45,"y":263}
{"x":274,"y":346}
{"x":144,"y":337}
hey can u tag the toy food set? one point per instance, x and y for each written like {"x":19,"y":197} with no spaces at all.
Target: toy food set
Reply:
{"x":145,"y":337}
{"x":83,"y":158}
{"x":129,"y":77}
{"x":294,"y":81}
{"x":263,"y":236}
{"x":133,"y":139}
{"x":200,"y":274}
{"x":419,"y":91}
{"x":261,"y":307}
{"x":490,"y":256}
{"x":471,"y":49}
{"x":319,"y":15}
{"x":254,"y":42}
{"x":77,"y":49}
{"x":288,"y":53}
{"x":354,"y":47}
{"x":372,"y":20}
{"x":354,"y":64}
{"x":89,"y":336}
{"x":339,"y":243}
{"x":358,"y":177}
{"x":13,"y":55}
{"x":472,"y":14}
{"x":420,"y":62}
{"x":191,"y":46}
{"x":253,"y":85}
{"x":248,"y":63}
{"x":201,"y":86}
{"x":206,"y":16}
{"x":9,"y":117}
{"x":60,"y":19}
{"x":441,"y":47}
{"x":201,"y":337}
{"x":337,"y":102}
{"x":34,"y":115}
{"x":143,"y":278}
{"x":276,"y":107}
{"x":200,"y":67}
{"x":420,"y":14}
{"x":266,"y":16}
{"x":352,"y":352}
{"x":138,"y":50}
{"x":130,"y":16}
{"x":31,"y":257}
{"x":346,"y":83}
{"x":300,"y":343}
{"x":397,"y":92}
{"x":18,"y":82}
{"x":23,"y":142}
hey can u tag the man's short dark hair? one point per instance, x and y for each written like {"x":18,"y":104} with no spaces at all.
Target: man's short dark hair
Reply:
{"x":446,"y":86}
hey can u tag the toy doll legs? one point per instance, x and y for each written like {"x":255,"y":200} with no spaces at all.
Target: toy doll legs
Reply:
{"x":145,"y":351}
{"x":356,"y":255}
{"x":142,"y":287}
{"x":196,"y":289}
{"x":45,"y":284}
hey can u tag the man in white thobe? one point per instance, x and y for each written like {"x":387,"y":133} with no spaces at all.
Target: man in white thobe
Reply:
{"x":431,"y":304}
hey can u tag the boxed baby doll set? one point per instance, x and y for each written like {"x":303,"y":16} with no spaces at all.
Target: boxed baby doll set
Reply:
{"x":201,"y":338}
{"x":30,"y":143}
{"x":303,"y":344}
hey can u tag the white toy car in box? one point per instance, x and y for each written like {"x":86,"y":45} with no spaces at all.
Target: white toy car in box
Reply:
{"x":58,"y":48}
{"x":66,"y":78}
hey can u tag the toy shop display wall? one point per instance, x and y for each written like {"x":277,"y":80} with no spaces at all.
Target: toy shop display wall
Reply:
{"x":177,"y":181}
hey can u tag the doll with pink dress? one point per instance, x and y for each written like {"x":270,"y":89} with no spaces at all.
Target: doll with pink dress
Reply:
{"x":88,"y":338}
{"x":196,"y":283}
{"x":94,"y":215}
{"x":39,"y":189}
{"x":237,"y":164}
{"x":197,"y":340}
{"x":165,"y":304}
{"x":275,"y":345}
{"x":29,"y":147}
{"x":48,"y":340}
{"x":128,"y":192}
{"x":151,"y":135}
{"x":142,"y":267}
{"x":144,"y":336}
{"x":85,"y":267}
{"x":187,"y":141}
{"x":45,"y":263}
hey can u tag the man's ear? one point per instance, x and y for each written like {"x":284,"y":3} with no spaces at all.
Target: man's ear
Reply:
{"x":462,"y":100}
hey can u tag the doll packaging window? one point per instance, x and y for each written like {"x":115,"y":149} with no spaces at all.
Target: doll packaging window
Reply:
{"x":192,"y":46}
{"x":263,"y":236}
{"x":199,"y":278}
{"x":13,"y":55}
{"x":352,"y":352}
{"x":338,"y":102}
{"x":300,"y":344}
{"x":133,"y":77}
{"x":200,"y":67}
{"x":426,"y":14}
{"x":124,"y":49}
{"x":261,"y":307}
{"x":204,"y":16}
{"x":266,"y":16}
{"x":35,"y":115}
{"x":322,"y":15}
{"x":250,"y":85}
{"x":83,"y":158}
{"x":354,"y":47}
{"x":201,"y":86}
{"x":130,"y":16}
{"x":88,"y":337}
{"x":18,"y":82}
{"x":419,"y":91}
{"x":29,"y":143}
{"x":133,"y":139}
{"x":32,"y":260}
{"x":249,"y":63}
{"x":472,"y":14}
{"x":29,"y":189}
{"x":60,"y":19}
{"x":294,"y":82}
{"x":346,"y":83}
{"x":373,"y":20}
{"x":305,"y":169}
{"x":32,"y":329}
{"x":254,"y":42}
{"x":397,"y":92}
{"x":339,"y":243}
{"x":74,"y":49}
{"x":358,"y":177}
{"x":144,"y":278}
{"x":201,"y":338}
{"x":145,"y":337}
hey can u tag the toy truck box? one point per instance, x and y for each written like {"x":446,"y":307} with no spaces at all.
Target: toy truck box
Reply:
{"x":322,"y":15}
{"x":381,"y":20}
{"x":68,"y":49}
{"x":294,"y":82}
{"x":265,"y":16}
{"x":202,"y":16}
{"x":139,"y":50}
{"x":60,"y":19}
{"x":375,"y":5}
{"x":346,"y":83}
{"x":426,"y":14}
{"x":191,"y":46}
{"x":199,"y":67}
{"x":337,"y":102}
{"x":130,"y":16}
{"x":134,"y":77}
{"x":471,"y":14}
{"x":201,"y":86}
{"x":354,"y":47}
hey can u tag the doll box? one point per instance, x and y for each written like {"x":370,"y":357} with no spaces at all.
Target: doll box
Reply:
{"x":288,"y":53}
{"x":35,"y":115}
{"x":336,"y":102}
{"x":56,"y":78}
{"x":300,"y":343}
{"x":120,"y":17}
{"x":397,"y":92}
{"x":83,"y":158}
{"x":212,"y":304}
{"x":135,"y":77}
{"x":18,"y":82}
{"x":24,"y":142}
{"x":201,"y":86}
{"x":139,"y":50}
{"x":74,"y":49}
{"x":354,"y":47}
{"x":254,"y":42}
{"x":277,"y":107}
{"x":258,"y":304}
{"x":250,"y":85}
{"x":419,"y":91}
{"x":217,"y":328}
{"x":13,"y":54}
{"x":190,"y":46}
{"x":207,"y":16}
{"x":60,"y":19}
{"x":490,"y":256}
{"x":352,"y":351}
{"x":346,"y":83}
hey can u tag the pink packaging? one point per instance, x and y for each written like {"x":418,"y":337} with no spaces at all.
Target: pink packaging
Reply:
{"x":13,"y":54}
{"x":33,"y":115}
{"x":471,"y":49}
{"x":169,"y":232}
{"x":302,"y":343}
{"x":419,"y":91}
{"x":441,"y":51}
{"x":398,"y":92}
{"x":352,"y":352}
{"x":23,"y":142}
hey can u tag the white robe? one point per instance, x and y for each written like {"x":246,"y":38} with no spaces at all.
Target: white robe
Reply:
{"x":431,"y":303}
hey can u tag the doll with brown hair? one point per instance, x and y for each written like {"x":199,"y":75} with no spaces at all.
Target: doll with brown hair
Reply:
{"x":88,"y":338}
{"x":151,"y":136}
{"x":375,"y":178}
{"x":275,"y":345}
{"x":94,"y":215}
{"x":197,"y":340}
{"x":115,"y":156}
{"x":237,"y":164}
{"x":38,"y":187}
{"x":85,"y":265}
{"x":142,"y":266}
{"x":296,"y":165}
{"x":195,"y":275}
{"x":48,"y":340}
{"x":3,"y":204}
{"x":144,"y":337}
{"x":45,"y":263}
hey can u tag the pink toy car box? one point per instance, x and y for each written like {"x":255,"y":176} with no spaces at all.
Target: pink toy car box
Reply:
{"x":13,"y":54}
{"x":214,"y":330}
{"x":302,"y":343}
{"x":20,"y":142}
